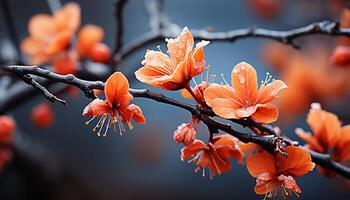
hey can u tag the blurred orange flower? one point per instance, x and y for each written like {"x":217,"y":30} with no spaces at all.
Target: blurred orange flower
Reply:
{"x":215,"y":155}
{"x":42,"y":115}
{"x":308,"y":74}
{"x":116,"y":108}
{"x":174,"y":72}
{"x":341,"y":56}
{"x":328,"y":135}
{"x":7,"y":128}
{"x":266,"y":8}
{"x":326,"y":129}
{"x":244,"y":99}
{"x":50,"y":40}
{"x":275,"y":173}
{"x":51,"y":35}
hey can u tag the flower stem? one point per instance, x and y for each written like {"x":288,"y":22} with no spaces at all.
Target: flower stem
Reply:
{"x":196,"y":98}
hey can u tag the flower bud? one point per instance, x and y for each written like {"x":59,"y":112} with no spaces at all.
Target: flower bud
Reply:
{"x":341,"y":56}
{"x":185,"y":133}
{"x":7,"y":127}
{"x":42,"y":115}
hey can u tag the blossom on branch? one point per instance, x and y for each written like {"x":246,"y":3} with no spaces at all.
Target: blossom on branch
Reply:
{"x":174,"y":72}
{"x":215,"y":155}
{"x":275,"y":174}
{"x":115,"y":109}
{"x":244,"y":99}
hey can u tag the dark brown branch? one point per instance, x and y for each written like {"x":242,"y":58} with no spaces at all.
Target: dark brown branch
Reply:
{"x":267,"y":142}
{"x":285,"y":37}
{"x":119,"y":5}
{"x":48,"y":95}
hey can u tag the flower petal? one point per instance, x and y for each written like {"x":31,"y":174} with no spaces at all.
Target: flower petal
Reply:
{"x":227,"y":146}
{"x":289,"y":183}
{"x":266,"y":113}
{"x":134,"y":112}
{"x":298,"y":162}
{"x":32,"y":46}
{"x":97,"y":108}
{"x":244,"y":81}
{"x":88,"y":36}
{"x":68,"y":18}
{"x":41,"y":26}
{"x":264,"y":184}
{"x":117,"y":90}
{"x":325,"y":126}
{"x":222,"y":100}
{"x":261,"y":162}
{"x":198,"y":56}
{"x":269,"y":92}
{"x":59,"y":42}
{"x":181,"y":46}
{"x":184,"y":71}
{"x":308,"y":138}
{"x":342,"y":148}
{"x":192,"y":149}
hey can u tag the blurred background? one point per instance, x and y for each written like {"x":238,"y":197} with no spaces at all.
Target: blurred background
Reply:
{"x":68,"y":161}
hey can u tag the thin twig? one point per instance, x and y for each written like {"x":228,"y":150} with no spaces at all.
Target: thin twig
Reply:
{"x":48,"y":95}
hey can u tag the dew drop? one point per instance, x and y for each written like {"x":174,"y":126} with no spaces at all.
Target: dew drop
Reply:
{"x":241,"y":79}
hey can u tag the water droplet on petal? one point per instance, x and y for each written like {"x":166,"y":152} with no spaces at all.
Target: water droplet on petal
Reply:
{"x":241,"y":79}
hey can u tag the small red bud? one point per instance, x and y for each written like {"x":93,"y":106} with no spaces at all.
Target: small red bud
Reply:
{"x":341,"y":56}
{"x":7,"y":127}
{"x":99,"y":53}
{"x":42,"y":115}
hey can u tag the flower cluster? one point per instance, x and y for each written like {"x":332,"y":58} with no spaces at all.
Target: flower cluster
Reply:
{"x":51,"y":40}
{"x":275,"y":172}
{"x":244,"y":99}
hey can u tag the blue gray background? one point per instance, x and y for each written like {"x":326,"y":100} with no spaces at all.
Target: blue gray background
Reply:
{"x":145,"y":163}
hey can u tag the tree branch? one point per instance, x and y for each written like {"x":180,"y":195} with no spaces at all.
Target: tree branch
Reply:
{"x":119,"y":5}
{"x":269,"y":142}
{"x":286,"y":37}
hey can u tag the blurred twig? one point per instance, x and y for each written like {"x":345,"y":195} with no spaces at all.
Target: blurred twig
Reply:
{"x":11,"y":27}
{"x":271,"y":142}
{"x":119,"y":8}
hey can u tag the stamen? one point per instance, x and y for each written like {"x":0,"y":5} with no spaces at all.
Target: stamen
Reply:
{"x":107,"y":127}
{"x":207,"y":76}
{"x":89,"y":121}
{"x":223,"y":78}
{"x":195,"y":83}
{"x":267,"y":79}
{"x":98,"y":123}
{"x":102,"y":123}
{"x":197,"y":169}
{"x":158,"y":47}
{"x":120,"y":129}
{"x":211,"y":175}
{"x":213,"y":76}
